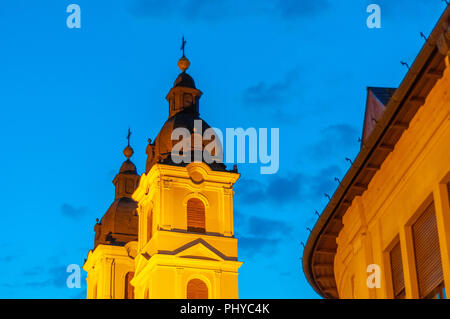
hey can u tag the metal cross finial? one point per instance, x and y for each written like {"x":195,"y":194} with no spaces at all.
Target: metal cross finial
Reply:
{"x":128,"y":136}
{"x":183,"y":44}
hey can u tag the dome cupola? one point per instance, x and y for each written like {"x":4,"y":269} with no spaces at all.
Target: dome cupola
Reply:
{"x":184,"y":113}
{"x":119,"y":225}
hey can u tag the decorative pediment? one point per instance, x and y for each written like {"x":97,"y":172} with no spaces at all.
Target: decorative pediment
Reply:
{"x":199,"y":249}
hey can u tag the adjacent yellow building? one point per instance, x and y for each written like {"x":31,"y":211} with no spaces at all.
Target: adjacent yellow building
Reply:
{"x":386,"y":231}
{"x":170,"y":232}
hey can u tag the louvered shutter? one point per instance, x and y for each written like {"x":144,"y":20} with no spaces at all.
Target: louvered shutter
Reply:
{"x":129,"y":289}
{"x":448,"y":191}
{"x":197,"y":289}
{"x":150,"y":225}
{"x":427,"y":252}
{"x":398,"y":280}
{"x":195,"y":215}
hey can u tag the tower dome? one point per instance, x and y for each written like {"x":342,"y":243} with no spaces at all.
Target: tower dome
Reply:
{"x":184,"y":113}
{"x":119,"y":225}
{"x":184,"y":80}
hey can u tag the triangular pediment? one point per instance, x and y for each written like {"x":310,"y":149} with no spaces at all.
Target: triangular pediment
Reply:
{"x":200,"y":249}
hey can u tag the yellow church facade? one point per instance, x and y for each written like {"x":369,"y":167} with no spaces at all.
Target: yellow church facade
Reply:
{"x":386,"y":231}
{"x":169,"y":233}
{"x":175,"y":247}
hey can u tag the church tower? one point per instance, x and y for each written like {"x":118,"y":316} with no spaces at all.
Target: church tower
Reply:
{"x":186,"y":245}
{"x":110,"y":265}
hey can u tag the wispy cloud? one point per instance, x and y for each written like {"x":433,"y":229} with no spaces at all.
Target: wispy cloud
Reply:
{"x":266,"y":227}
{"x":336,"y":140}
{"x":73,"y":211}
{"x":270,"y":94}
{"x":290,"y":189}
{"x":257,"y":245}
{"x":6,"y":259}
{"x":213,"y":10}
{"x":39,"y":277}
{"x":298,"y":8}
{"x":260,"y":235}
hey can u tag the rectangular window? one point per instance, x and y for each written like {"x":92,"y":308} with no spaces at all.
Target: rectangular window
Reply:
{"x":398,"y":280}
{"x":427,"y":251}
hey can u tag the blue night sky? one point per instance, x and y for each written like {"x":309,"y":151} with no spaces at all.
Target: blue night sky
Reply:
{"x":68,"y":97}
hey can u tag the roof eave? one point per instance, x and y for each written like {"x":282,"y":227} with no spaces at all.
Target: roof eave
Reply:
{"x":388,"y":118}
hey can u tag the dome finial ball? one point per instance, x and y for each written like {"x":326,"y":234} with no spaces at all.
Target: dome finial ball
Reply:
{"x":128,"y":152}
{"x":184,"y":64}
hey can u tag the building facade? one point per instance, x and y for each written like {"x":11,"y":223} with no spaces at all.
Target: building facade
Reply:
{"x":170,"y":232}
{"x":386,"y":231}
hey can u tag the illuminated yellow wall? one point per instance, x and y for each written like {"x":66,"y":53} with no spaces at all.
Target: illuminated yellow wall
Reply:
{"x":107,"y":267}
{"x":415,"y":172}
{"x":172,"y":256}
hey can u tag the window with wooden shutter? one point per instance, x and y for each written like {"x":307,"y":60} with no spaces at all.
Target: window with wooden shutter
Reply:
{"x":448,"y":191}
{"x":197,"y":289}
{"x":129,"y":289}
{"x":427,"y":254}
{"x":398,"y":280}
{"x":94,"y":292}
{"x":150,"y":225}
{"x":195,"y":215}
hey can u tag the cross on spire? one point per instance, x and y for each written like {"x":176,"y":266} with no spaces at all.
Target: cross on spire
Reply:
{"x":183,"y":44}
{"x":128,"y":136}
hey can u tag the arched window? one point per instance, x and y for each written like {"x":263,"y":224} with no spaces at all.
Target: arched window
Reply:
{"x":197,"y":289}
{"x":129,"y":289}
{"x":195,"y":215}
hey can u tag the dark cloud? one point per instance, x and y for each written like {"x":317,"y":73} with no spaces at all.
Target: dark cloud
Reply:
{"x":323,"y":182}
{"x":41,"y":277}
{"x":257,"y":245}
{"x":261,"y":235}
{"x":281,"y":190}
{"x":6,"y":259}
{"x":264,"y":227}
{"x":35,"y":271}
{"x":290,"y":189}
{"x":336,"y":141}
{"x":286,"y":189}
{"x":213,"y":10}
{"x":404,"y":5}
{"x":392,"y":10}
{"x":270,"y":94}
{"x":298,"y":8}
{"x":72,"y":211}
{"x":250,"y":190}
